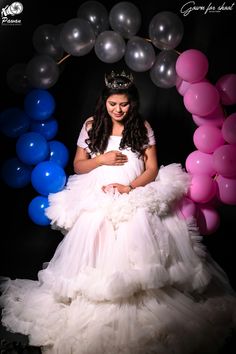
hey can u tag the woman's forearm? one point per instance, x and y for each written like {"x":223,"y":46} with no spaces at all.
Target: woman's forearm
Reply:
{"x":86,"y":165}
{"x":146,"y":177}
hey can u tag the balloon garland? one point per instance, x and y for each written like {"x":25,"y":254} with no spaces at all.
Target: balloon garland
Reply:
{"x":41,"y":160}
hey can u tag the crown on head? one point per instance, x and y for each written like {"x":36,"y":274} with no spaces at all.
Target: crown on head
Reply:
{"x":113,"y":80}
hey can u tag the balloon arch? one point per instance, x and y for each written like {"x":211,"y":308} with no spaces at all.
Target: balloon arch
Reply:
{"x":40,"y":159}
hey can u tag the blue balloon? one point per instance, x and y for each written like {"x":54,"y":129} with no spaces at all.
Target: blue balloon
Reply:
{"x":32,"y":148}
{"x":47,"y":128}
{"x":36,"y":210}
{"x":39,"y":104}
{"x":48,"y":177}
{"x":58,"y":153}
{"x":15,"y":173}
{"x":14,"y":122}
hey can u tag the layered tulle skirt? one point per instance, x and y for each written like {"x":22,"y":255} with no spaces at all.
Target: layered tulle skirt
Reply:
{"x":129,"y":276}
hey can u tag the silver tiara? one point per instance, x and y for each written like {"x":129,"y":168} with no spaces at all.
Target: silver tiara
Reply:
{"x":112,"y":81}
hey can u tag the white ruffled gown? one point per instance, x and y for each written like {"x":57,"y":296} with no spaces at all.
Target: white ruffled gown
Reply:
{"x":129,"y":277}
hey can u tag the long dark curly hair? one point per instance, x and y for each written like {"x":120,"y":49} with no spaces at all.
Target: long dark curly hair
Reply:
{"x":134,"y":135}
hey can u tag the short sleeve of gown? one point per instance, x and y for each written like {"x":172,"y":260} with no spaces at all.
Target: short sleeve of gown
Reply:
{"x":150,"y":132}
{"x":83,"y":135}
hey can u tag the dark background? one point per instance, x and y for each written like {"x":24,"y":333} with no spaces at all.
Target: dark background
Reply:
{"x":25,"y":245}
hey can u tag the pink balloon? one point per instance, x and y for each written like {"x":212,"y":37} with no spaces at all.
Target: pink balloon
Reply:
{"x":182,"y":85}
{"x":208,"y":219}
{"x":226,"y":190}
{"x":224,"y":160}
{"x":207,"y":138}
{"x":201,"y":98}
{"x":187,"y":208}
{"x":226,"y":86}
{"x":229,"y":129}
{"x":199,"y":162}
{"x":192,"y":65}
{"x":216,"y":118}
{"x":202,"y":188}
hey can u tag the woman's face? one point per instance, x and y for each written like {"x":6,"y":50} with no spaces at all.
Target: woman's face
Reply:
{"x":117,"y":107}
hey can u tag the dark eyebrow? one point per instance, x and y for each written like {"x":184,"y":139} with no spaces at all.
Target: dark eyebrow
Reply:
{"x":116,"y":102}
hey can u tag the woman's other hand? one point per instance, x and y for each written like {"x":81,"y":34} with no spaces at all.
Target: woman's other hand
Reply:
{"x":113,"y":158}
{"x":121,"y":188}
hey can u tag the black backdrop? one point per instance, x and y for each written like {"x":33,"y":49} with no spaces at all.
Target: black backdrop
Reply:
{"x":25,"y":245}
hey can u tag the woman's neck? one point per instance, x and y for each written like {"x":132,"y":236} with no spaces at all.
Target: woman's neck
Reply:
{"x":117,"y":129}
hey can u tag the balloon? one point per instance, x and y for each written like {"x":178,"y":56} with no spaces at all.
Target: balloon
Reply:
{"x":14,"y":122}
{"x":229,"y":129}
{"x":166,"y":30}
{"x":48,"y":177}
{"x":139,"y":54}
{"x":192,"y":65}
{"x":125,"y":18}
{"x":46,"y":40}
{"x":226,"y":190}
{"x":36,"y":210}
{"x":17,"y":79}
{"x":216,"y":118}
{"x":224,"y":160}
{"x":32,"y":148}
{"x":199,"y":162}
{"x":182,"y":85}
{"x":109,"y":47}
{"x":58,"y":153}
{"x":39,"y":104}
{"x":96,"y":13}
{"x":202,"y":188}
{"x":42,"y":71}
{"x":201,"y":98}
{"x":163,"y":72}
{"x":47,"y":128}
{"x":208,"y":219}
{"x":187,"y":208}
{"x":15,"y":173}
{"x":226,"y":86}
{"x":77,"y":37}
{"x":207,"y":138}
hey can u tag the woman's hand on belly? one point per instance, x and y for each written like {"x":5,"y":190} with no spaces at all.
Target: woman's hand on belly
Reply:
{"x":121,"y":188}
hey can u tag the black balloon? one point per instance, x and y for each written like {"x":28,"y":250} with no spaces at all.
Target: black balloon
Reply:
{"x":42,"y":72}
{"x":139,"y":54}
{"x":125,"y":18}
{"x":77,"y":37}
{"x":109,"y":46}
{"x":96,"y":14}
{"x":163,"y":73}
{"x":166,"y":30}
{"x":46,"y":40}
{"x":17,"y":79}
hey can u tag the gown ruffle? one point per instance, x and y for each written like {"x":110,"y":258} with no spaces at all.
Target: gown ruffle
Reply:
{"x":129,"y":277}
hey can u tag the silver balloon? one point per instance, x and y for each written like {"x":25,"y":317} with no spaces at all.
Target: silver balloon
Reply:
{"x":125,"y":18}
{"x":46,"y":40}
{"x":163,"y":73}
{"x":166,"y":30}
{"x":42,"y":72}
{"x":17,"y":79}
{"x":109,"y":47}
{"x":139,"y":54}
{"x":96,"y":14}
{"x":77,"y":37}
